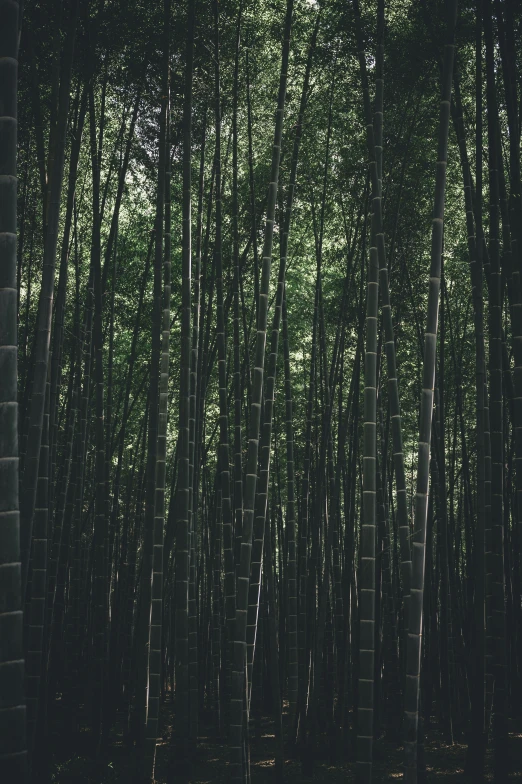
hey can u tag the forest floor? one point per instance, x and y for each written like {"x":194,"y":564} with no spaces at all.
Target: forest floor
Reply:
{"x":444,"y":763}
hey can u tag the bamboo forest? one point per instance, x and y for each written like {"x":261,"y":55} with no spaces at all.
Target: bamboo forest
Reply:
{"x":260,"y":391}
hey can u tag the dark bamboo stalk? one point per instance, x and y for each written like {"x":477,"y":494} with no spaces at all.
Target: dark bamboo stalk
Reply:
{"x":13,"y":754}
{"x":413,"y":654}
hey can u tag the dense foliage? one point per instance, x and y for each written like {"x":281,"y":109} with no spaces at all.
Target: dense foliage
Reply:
{"x":239,"y":227}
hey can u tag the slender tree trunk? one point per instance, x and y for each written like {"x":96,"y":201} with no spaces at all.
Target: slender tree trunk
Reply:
{"x":41,"y":355}
{"x":495,"y":545}
{"x":413,"y":654}
{"x":183,"y":529}
{"x":100,"y":542}
{"x":13,"y":753}
{"x":239,"y":683}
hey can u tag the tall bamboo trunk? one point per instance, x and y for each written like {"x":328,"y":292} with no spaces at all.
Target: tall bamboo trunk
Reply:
{"x":100,"y":540}
{"x":41,"y":355}
{"x":413,"y":654}
{"x":13,"y":753}
{"x":183,"y":531}
{"x":239,"y":686}
{"x":495,"y":590}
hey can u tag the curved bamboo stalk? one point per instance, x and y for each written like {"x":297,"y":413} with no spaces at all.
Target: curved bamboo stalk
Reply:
{"x":413,"y":653}
{"x":477,"y":745}
{"x":239,"y":686}
{"x":29,"y":480}
{"x":261,"y":503}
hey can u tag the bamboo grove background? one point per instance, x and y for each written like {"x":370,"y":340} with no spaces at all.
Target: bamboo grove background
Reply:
{"x":261,"y":439}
